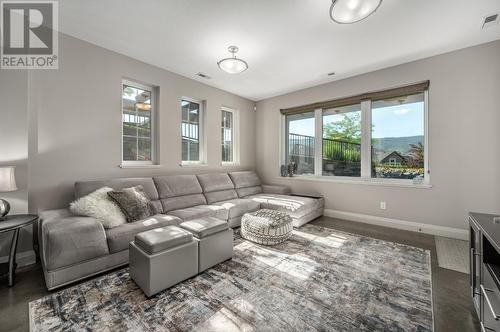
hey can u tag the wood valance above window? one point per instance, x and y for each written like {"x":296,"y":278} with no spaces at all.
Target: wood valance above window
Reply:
{"x":376,"y":95}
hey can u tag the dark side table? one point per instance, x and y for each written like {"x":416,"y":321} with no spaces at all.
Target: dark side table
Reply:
{"x":14,"y":223}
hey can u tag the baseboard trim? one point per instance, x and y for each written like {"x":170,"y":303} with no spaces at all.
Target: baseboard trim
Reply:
{"x":450,"y":232}
{"x":24,"y":258}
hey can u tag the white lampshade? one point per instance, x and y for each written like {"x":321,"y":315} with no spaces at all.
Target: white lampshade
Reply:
{"x":7,"y":179}
{"x":233,"y":65}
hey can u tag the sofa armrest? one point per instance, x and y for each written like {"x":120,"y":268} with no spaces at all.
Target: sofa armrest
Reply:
{"x":67,"y":239}
{"x":275,"y":189}
{"x":48,"y":215}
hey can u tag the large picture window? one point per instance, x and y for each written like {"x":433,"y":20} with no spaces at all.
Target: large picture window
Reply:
{"x":191,"y":131}
{"x":378,"y":136}
{"x":137,"y":123}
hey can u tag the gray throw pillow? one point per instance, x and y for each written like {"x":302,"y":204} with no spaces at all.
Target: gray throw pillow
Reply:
{"x":134,"y":203}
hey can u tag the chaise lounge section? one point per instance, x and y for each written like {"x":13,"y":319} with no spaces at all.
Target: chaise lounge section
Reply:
{"x":76,"y":247}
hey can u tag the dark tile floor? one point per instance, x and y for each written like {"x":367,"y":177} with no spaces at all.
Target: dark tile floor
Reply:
{"x":453,"y":309}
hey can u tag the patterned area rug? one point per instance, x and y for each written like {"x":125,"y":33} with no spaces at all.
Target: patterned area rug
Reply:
{"x":319,"y":280}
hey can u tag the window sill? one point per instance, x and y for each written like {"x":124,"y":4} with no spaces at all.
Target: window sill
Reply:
{"x":230,"y":164}
{"x":387,"y":183}
{"x":139,"y":166}
{"x":193,"y":165}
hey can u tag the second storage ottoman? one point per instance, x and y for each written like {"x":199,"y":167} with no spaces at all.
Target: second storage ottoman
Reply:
{"x":215,"y":240}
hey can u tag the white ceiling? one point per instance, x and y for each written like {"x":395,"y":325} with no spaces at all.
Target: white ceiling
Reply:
{"x":288,"y":44}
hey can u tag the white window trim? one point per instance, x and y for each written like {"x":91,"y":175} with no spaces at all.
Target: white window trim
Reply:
{"x":202,"y":135}
{"x":236,"y":137}
{"x":427,"y":171}
{"x":154,"y":105}
{"x":136,"y":166}
{"x":366,"y":159}
{"x":318,"y":141}
{"x":356,"y":181}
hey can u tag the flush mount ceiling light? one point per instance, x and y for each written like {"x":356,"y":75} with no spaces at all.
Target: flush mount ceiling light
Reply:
{"x":352,"y":11}
{"x":232,"y":65}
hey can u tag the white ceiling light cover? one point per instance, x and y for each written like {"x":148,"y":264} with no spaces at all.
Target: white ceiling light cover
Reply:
{"x":351,"y":11}
{"x":232,"y":65}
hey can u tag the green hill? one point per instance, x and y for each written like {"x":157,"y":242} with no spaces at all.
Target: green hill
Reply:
{"x":384,"y":146}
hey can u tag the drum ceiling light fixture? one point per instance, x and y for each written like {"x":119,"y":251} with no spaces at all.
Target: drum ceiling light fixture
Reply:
{"x":352,"y":11}
{"x":232,"y":65}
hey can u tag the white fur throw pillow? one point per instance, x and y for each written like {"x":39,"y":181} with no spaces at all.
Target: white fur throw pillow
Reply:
{"x":100,"y":206}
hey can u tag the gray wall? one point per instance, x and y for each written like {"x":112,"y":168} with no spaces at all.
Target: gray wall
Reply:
{"x":77,"y":135}
{"x":464,"y":133}
{"x":14,"y":148}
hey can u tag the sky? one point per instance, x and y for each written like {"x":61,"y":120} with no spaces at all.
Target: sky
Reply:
{"x":393,"y":121}
{"x":398,"y":121}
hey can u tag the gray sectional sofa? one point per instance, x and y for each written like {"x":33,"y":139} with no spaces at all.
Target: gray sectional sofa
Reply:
{"x":75,"y":247}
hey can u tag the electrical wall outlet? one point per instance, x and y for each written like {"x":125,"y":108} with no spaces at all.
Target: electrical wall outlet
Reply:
{"x":383,"y":206}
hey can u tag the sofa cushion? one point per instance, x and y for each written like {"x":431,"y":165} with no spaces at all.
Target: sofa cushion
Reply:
{"x":157,"y":206}
{"x":295,"y":206}
{"x":134,"y":203}
{"x":238,"y":207}
{"x":179,"y":192}
{"x":83,"y":188}
{"x":217,"y":187}
{"x":100,"y":206}
{"x":182,"y":202}
{"x":247,"y":191}
{"x":244,"y":179}
{"x":246,"y":183}
{"x":177,"y":185}
{"x":215,"y":182}
{"x":119,"y":237}
{"x":275,"y":189}
{"x":223,"y":195}
{"x":200,"y":211}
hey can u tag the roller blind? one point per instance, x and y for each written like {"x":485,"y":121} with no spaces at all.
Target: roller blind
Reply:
{"x":376,"y":95}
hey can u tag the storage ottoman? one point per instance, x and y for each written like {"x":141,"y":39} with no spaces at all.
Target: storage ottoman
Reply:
{"x":162,"y":257}
{"x":215,"y":240}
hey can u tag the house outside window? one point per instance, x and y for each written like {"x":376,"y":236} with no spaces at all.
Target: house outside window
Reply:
{"x":378,"y":136}
{"x":138,"y":124}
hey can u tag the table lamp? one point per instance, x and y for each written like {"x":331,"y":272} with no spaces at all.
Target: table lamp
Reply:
{"x":7,"y":183}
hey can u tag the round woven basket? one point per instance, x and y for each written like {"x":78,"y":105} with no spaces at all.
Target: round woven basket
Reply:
{"x":268,"y":227}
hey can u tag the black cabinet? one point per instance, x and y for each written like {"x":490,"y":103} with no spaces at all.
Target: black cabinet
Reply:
{"x":485,"y":269}
{"x":475,"y":264}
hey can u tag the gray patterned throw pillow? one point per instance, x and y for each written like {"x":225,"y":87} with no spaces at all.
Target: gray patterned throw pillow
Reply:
{"x":134,"y":202}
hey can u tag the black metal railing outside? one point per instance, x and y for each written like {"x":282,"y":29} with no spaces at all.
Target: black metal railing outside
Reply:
{"x":302,"y":146}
